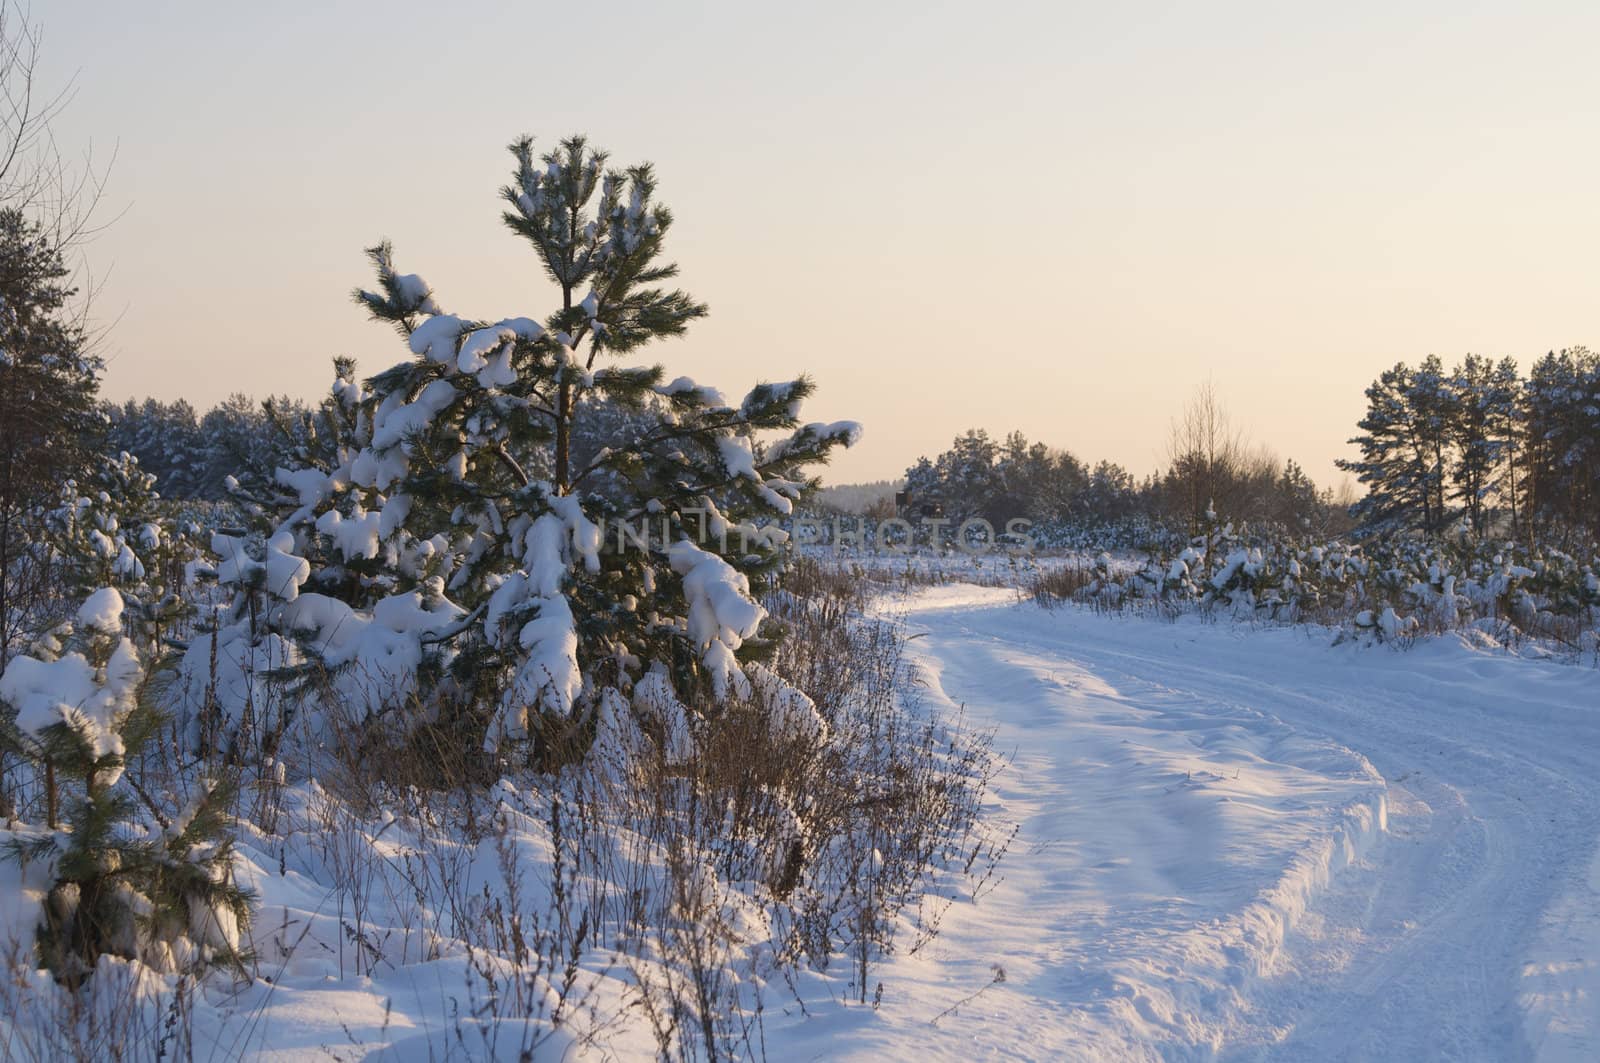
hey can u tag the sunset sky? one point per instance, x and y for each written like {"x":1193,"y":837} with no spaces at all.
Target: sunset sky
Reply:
{"x":1056,"y":217}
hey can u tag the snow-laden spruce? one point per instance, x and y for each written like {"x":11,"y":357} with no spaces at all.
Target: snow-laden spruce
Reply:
{"x":512,"y":534}
{"x":128,"y":881}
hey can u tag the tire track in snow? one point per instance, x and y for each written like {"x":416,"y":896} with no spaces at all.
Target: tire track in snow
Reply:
{"x":1127,"y":731}
{"x":1508,"y":764}
{"x":1168,"y":843}
{"x":1503,"y":756}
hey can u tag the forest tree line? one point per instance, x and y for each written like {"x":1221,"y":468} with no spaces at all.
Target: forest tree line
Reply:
{"x":1478,"y":443}
{"x":191,"y":454}
{"x":1479,"y":448}
{"x":1212,"y":474}
{"x":1481,"y":443}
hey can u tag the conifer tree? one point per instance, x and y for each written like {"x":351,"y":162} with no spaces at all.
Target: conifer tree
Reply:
{"x":49,"y":421}
{"x":1483,"y":437}
{"x":925,"y":488}
{"x":968,"y":474}
{"x":109,"y":532}
{"x":1297,"y":500}
{"x":1403,"y":445}
{"x":162,"y":893}
{"x":1477,"y":404}
{"x":1432,"y":408}
{"x":1562,"y":399}
{"x":1110,"y":493}
{"x":1506,"y":425}
{"x":96,"y":533}
{"x":517,"y":522}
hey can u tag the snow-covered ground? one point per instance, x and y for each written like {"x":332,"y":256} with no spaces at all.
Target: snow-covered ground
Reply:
{"x":1234,"y":843}
{"x":1240,"y":843}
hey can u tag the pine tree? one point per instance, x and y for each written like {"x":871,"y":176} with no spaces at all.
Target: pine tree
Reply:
{"x":1036,"y":482}
{"x":1562,"y":398}
{"x":1477,"y":405}
{"x":465,"y":524}
{"x":1110,"y":493}
{"x":242,"y":439}
{"x":111,"y":532}
{"x":969,"y":475}
{"x":1404,"y":447}
{"x":1432,"y":406}
{"x":162,"y":894}
{"x":1298,"y":504}
{"x":49,"y":422}
{"x":925,"y":489}
{"x":1544,"y":398}
{"x":1506,"y":419}
{"x":97,"y":533}
{"x":1390,"y":465}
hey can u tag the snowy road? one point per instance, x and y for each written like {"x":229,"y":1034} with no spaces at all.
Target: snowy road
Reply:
{"x":1203,"y":870}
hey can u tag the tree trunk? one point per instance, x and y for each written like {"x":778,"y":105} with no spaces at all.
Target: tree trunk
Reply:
{"x":564,"y":395}
{"x":5,"y":585}
{"x":563,"y":435}
{"x":50,"y":792}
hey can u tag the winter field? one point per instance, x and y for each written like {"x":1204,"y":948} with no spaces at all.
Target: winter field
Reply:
{"x":1232,"y":841}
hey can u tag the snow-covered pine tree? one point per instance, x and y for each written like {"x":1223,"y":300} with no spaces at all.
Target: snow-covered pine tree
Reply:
{"x":471,"y":539}
{"x":160,"y":892}
{"x":108,"y":531}
{"x":972,"y":480}
{"x":98,"y":528}
{"x":242,"y":438}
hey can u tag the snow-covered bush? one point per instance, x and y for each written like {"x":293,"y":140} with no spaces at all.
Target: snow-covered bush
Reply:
{"x":128,"y":881}
{"x":1388,"y":589}
{"x":111,"y":531}
{"x":764,"y":857}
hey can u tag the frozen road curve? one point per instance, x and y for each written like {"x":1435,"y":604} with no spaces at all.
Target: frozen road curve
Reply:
{"x":1246,"y":844}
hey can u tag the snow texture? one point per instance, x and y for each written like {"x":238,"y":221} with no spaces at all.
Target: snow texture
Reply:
{"x":102,"y":611}
{"x":721,"y":613}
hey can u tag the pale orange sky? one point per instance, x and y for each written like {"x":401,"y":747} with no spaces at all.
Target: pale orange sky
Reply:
{"x":1053,"y":217}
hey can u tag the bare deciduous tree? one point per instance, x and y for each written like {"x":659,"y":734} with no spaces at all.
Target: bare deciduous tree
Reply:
{"x":1206,"y":456}
{"x":59,"y":192}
